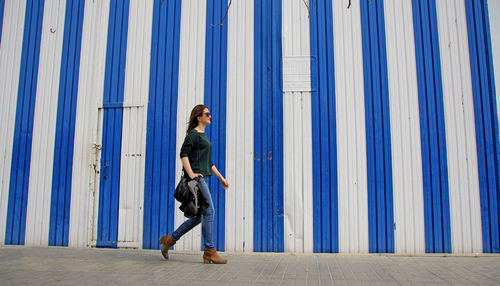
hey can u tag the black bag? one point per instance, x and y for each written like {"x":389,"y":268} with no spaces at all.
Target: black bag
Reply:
{"x":188,"y":193}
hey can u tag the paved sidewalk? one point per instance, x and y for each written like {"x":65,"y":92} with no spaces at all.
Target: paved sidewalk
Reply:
{"x":70,"y":266}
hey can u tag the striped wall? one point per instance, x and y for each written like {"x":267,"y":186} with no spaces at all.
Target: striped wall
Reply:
{"x":86,"y":158}
{"x":10,"y":65}
{"x":2,"y":6}
{"x":44,"y":128}
{"x":405,"y":128}
{"x":372,"y":128}
{"x":23,"y":128}
{"x":135,"y":102}
{"x":325,"y":199}
{"x":268,"y":128}
{"x":161,"y":128}
{"x":378,"y":139}
{"x":215,"y":99}
{"x":351,"y":134}
{"x":484,"y":94}
{"x":297,"y":144}
{"x":465,"y":216}
{"x":240,"y":127}
{"x":191,"y":88}
{"x":494,"y":9}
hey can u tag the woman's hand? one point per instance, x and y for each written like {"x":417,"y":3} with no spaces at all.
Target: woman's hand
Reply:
{"x":224,"y":183}
{"x":194,"y":175}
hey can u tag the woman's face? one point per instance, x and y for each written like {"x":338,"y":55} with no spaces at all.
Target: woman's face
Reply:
{"x":206,"y":117}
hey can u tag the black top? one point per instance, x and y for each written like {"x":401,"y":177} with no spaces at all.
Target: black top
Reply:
{"x":198,"y":148}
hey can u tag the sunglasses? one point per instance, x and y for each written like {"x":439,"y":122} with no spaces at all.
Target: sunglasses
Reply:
{"x":208,"y":114}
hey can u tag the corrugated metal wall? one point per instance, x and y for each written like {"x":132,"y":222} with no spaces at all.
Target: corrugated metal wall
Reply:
{"x":10,"y":58}
{"x":351,"y":136}
{"x":460,"y":132}
{"x":239,"y":136}
{"x":44,"y":130}
{"x":161,"y":130}
{"x":268,"y":128}
{"x":494,"y":21}
{"x":386,"y":108}
{"x":135,"y":102}
{"x":191,"y":93}
{"x":84,"y":189}
{"x":215,"y":99}
{"x":24,"y":120}
{"x":484,"y":95}
{"x":405,"y":128}
{"x":297,"y":138}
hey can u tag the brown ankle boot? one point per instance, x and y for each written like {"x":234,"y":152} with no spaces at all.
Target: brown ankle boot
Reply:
{"x":211,"y":255}
{"x":167,"y":242}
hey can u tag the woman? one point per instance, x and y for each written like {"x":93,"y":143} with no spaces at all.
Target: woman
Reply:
{"x":196,"y":157}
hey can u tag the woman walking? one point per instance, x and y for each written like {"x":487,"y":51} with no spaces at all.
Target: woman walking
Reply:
{"x":196,"y":157}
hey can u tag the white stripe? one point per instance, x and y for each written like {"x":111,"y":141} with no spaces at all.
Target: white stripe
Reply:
{"x":493,"y":12}
{"x":297,"y":141}
{"x":44,"y":127}
{"x":83,"y":211}
{"x":10,"y":65}
{"x":191,"y":93}
{"x":409,"y":234}
{"x":465,"y":210}
{"x":351,"y":136}
{"x":239,"y":119}
{"x":133,"y":158}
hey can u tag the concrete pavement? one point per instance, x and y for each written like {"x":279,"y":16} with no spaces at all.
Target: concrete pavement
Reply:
{"x":70,"y":266}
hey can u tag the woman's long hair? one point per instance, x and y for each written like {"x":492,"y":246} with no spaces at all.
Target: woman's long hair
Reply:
{"x":193,"y":119}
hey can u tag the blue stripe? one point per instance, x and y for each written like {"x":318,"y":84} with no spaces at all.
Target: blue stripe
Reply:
{"x":114,"y":82}
{"x":23,"y":130}
{"x":65,"y":125}
{"x":2,"y":6}
{"x":268,"y":128}
{"x":161,"y":133}
{"x":432,"y":128}
{"x":378,"y":128}
{"x":215,"y":99}
{"x":325,"y":184}
{"x":485,"y":114}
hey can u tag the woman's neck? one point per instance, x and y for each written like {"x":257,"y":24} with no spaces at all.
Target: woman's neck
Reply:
{"x":200,"y":128}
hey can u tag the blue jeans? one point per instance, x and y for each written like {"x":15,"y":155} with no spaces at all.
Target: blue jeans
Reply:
{"x":206,"y":219}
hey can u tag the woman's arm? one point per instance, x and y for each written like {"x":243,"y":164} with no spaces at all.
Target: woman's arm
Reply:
{"x":187,"y":167}
{"x":223,"y":181}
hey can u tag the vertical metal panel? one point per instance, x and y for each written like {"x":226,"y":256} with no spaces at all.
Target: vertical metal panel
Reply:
{"x":297,"y":149}
{"x":351,"y":135}
{"x":484,"y":96}
{"x":90,"y":89}
{"x":114,"y":81}
{"x":240,"y":127}
{"x":494,"y":21}
{"x":432,"y":128}
{"x":493,"y":11}
{"x":23,"y":132}
{"x":268,"y":131}
{"x":130,"y":210}
{"x":378,"y":133}
{"x":65,"y":128}
{"x":162,"y":114}
{"x":325,"y":198}
{"x":10,"y":65}
{"x":44,"y":128}
{"x":215,"y":99}
{"x":405,"y":128}
{"x":465,"y":207}
{"x":2,"y":6}
{"x":191,"y":93}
